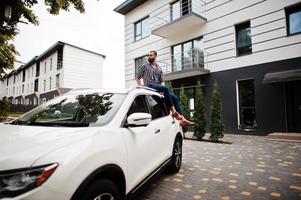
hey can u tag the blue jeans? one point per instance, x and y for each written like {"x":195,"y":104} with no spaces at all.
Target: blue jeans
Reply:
{"x":170,"y":98}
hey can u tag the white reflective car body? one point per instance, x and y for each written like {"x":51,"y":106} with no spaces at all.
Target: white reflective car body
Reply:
{"x":81,"y":154}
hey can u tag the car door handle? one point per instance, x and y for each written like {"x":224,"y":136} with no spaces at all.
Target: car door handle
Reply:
{"x":157,"y":131}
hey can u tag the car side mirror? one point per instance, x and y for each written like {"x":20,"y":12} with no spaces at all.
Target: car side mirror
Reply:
{"x":139,"y":119}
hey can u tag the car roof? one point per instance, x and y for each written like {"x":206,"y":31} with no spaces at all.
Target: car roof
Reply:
{"x":135,"y":89}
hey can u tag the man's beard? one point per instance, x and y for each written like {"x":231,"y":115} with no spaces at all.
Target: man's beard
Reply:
{"x":151,"y":60}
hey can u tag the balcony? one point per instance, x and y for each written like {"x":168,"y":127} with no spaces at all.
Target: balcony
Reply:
{"x":183,"y":65}
{"x":177,"y":18}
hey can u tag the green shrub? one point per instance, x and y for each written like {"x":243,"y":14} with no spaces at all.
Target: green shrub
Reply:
{"x":199,"y":113}
{"x":4,"y":109}
{"x":184,"y":103}
{"x":216,"y":122}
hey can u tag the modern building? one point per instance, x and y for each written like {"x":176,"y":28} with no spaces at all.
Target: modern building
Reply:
{"x":57,"y":70}
{"x":251,"y":47}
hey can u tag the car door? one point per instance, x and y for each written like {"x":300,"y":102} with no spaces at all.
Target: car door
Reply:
{"x":164,"y":125}
{"x":142,"y":146}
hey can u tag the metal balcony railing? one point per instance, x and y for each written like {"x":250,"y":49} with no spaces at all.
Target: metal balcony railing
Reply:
{"x":175,"y":11}
{"x":186,"y":60}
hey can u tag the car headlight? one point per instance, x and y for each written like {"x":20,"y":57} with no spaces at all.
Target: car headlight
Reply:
{"x":16,"y":182}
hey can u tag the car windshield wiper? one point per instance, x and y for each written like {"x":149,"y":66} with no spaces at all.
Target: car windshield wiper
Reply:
{"x":17,"y":122}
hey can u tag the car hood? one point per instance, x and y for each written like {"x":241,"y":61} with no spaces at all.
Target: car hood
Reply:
{"x":20,"y":146}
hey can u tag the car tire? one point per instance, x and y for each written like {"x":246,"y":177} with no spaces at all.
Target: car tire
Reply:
{"x":176,"y":160}
{"x":102,"y":189}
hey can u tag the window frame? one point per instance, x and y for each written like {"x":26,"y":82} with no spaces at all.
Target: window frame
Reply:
{"x":135,"y":28}
{"x":151,"y":108}
{"x":237,"y":28}
{"x":182,"y":47}
{"x":124,"y":122}
{"x":238,"y":104}
{"x":145,"y":100}
{"x":288,"y":11}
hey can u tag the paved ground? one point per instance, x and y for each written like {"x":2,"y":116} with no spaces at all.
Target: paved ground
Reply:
{"x":245,"y":167}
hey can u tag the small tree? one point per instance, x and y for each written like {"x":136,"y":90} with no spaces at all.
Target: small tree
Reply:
{"x":199,"y":113}
{"x":216,"y":122}
{"x":4,"y":109}
{"x":184,"y":103}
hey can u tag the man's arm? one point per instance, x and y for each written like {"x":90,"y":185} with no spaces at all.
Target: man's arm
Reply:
{"x":140,"y":75}
{"x":161,"y":79}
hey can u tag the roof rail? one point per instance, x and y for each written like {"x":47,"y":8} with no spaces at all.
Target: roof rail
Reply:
{"x":76,"y":89}
{"x":141,"y":87}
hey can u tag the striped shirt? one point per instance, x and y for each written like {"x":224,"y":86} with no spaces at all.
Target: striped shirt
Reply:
{"x":150,"y":74}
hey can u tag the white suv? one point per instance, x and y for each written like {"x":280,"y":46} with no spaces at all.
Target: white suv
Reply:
{"x":89,"y":145}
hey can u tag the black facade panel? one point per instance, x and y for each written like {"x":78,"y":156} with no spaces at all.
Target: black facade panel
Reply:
{"x":269,"y":98}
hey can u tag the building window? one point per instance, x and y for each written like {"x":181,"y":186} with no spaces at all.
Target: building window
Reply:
{"x":188,"y":55}
{"x":293,"y":19}
{"x":59,"y":59}
{"x":57,"y":81}
{"x":175,"y":9}
{"x":246,"y":104}
{"x":14,"y":79}
{"x":44,"y":85}
{"x":23,"y":77}
{"x":50,"y":79}
{"x":45,"y":65}
{"x":22,"y":88}
{"x":243,"y":39}
{"x":139,"y":62}
{"x":38,"y":69}
{"x":142,"y":29}
{"x":50,"y":64}
{"x":36,"y":85}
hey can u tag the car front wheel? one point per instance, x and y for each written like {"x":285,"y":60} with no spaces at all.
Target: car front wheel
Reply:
{"x":102,"y":189}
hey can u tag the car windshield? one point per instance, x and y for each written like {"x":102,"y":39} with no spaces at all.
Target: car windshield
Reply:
{"x":95,"y":109}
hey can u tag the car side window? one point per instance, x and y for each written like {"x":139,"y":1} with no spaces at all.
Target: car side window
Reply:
{"x":138,"y":105}
{"x":158,"y":108}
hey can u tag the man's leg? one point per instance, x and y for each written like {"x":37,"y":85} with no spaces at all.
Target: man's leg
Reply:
{"x":168,"y":97}
{"x":166,"y":94}
{"x":176,"y":102}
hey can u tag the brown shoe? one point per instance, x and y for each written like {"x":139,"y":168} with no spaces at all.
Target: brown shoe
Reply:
{"x":177,"y":116}
{"x":185,"y":122}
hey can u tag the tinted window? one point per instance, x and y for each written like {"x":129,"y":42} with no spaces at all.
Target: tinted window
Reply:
{"x":243,"y":38}
{"x":293,"y":19}
{"x":142,"y":29}
{"x":138,"y":105}
{"x":157,"y":105}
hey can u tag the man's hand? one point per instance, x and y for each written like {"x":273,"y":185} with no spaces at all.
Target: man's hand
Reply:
{"x":138,"y":81}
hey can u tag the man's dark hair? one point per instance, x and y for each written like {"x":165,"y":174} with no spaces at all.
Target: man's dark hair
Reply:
{"x":154,"y":52}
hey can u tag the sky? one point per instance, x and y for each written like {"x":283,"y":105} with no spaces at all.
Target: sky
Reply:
{"x":99,"y":29}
